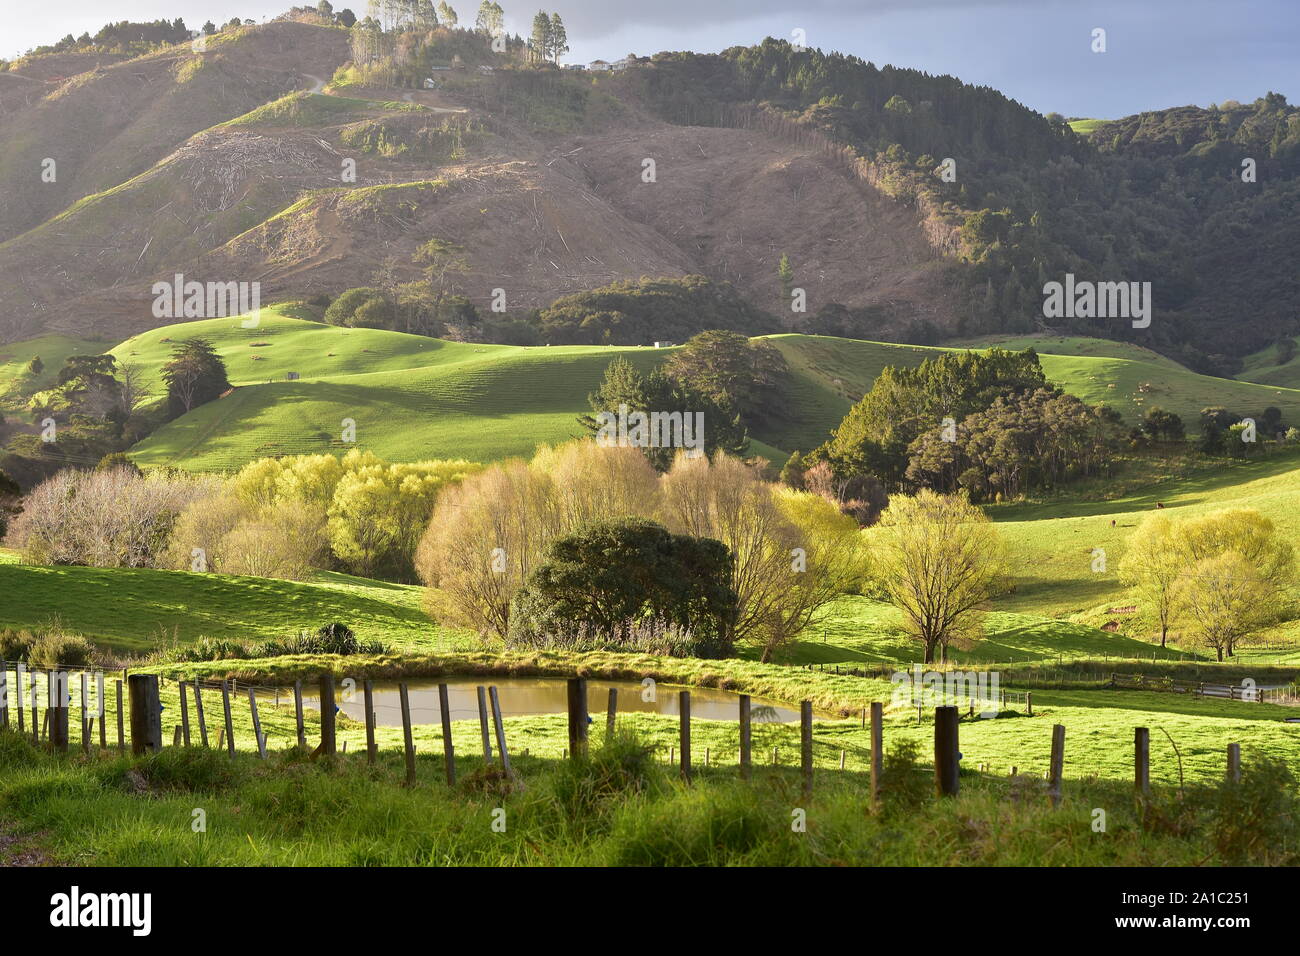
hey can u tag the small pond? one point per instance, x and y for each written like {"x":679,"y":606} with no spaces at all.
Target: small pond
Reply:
{"x":525,"y":696}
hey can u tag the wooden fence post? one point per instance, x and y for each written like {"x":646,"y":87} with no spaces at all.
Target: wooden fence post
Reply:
{"x":577,"y":716}
{"x":198,"y":712}
{"x":877,"y":741}
{"x":85,"y":713}
{"x":448,"y":751}
{"x":103,"y":710}
{"x":1058,"y":764}
{"x":185,"y":713}
{"x":501,"y":728}
{"x":328,"y":715}
{"x":1234,"y":763}
{"x":806,"y":745}
{"x":146,"y":714}
{"x":611,"y":713}
{"x":746,"y":753}
{"x":230,"y":724}
{"x":945,"y":751}
{"x":58,"y":707}
{"x":1029,"y":704}
{"x":406,"y":734}
{"x":1142,"y":761}
{"x":36,"y":721}
{"x":297,"y":714}
{"x":4,"y":694}
{"x":121,"y":733}
{"x":18,"y":693}
{"x":257,"y":724}
{"x":684,"y":715}
{"x":371,"y":747}
{"x":483,"y":730}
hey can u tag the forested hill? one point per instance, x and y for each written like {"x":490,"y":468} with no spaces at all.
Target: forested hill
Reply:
{"x":1154,"y":198}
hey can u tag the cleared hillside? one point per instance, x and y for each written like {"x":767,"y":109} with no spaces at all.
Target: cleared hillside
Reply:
{"x":199,"y":163}
{"x":105,"y":126}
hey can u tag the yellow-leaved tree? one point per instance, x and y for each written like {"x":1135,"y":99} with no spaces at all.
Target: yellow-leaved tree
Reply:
{"x":488,"y":533}
{"x":793,"y":553}
{"x":1153,"y":565}
{"x":1236,"y":575}
{"x":938,"y":559}
{"x":378,"y":510}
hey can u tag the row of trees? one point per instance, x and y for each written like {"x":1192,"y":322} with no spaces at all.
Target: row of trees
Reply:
{"x":1224,"y":432}
{"x":791,"y":553}
{"x":276,"y":517}
{"x":622,"y":313}
{"x":1221,"y":576}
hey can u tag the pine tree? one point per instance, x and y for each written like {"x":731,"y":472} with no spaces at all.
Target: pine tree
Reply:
{"x":541,"y":38}
{"x":785,"y":272}
{"x":195,"y":374}
{"x":559,"y":38}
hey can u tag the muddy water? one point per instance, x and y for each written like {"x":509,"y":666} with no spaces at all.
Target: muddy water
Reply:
{"x":525,"y":696}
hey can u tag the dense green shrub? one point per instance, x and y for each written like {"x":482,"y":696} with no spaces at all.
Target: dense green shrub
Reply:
{"x":613,"y":583}
{"x":53,"y":650}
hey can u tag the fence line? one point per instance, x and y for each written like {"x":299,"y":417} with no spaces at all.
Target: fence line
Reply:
{"x":147,"y":733}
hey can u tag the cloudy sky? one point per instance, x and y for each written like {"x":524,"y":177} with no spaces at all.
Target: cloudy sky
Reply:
{"x":1159,"y":52}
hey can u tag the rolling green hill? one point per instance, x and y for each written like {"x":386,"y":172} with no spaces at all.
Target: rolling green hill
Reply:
{"x":1067,"y":345}
{"x":422,"y":398}
{"x":831,"y":374}
{"x":134,"y":610}
{"x":53,"y":350}
{"x":1263,"y":367}
{"x":413,"y":397}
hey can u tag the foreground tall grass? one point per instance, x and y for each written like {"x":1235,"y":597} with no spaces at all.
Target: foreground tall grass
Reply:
{"x":617,"y":807}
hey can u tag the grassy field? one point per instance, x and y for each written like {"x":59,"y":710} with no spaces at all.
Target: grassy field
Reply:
{"x":1085,"y":127}
{"x":412,"y":397}
{"x":1052,"y":544}
{"x":625,"y":806}
{"x":1068,"y":345}
{"x":132,"y":611}
{"x":617,"y":809}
